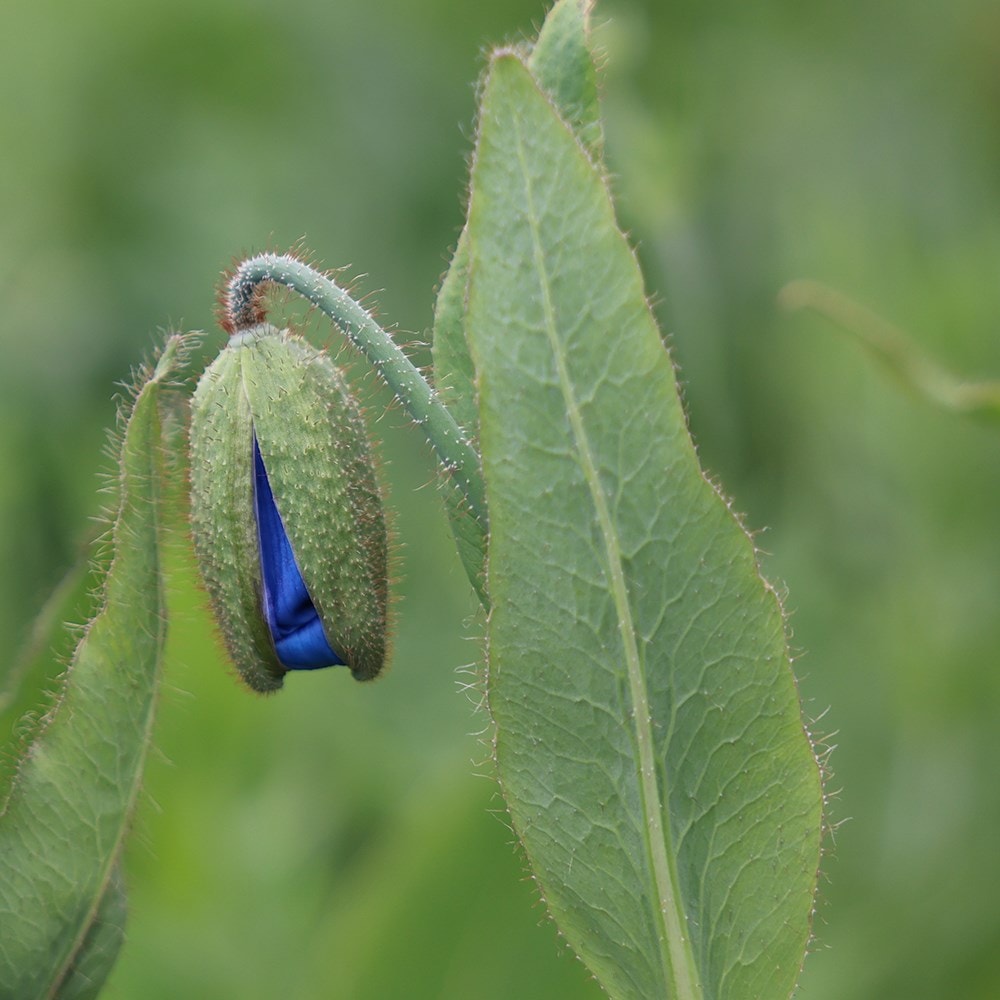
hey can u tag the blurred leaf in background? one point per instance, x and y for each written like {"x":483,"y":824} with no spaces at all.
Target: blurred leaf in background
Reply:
{"x":339,"y":840}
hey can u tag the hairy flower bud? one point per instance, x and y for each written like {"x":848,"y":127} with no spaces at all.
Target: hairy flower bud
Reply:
{"x":286,"y":512}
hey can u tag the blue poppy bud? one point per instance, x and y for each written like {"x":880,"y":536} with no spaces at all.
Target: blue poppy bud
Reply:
{"x":286,"y":512}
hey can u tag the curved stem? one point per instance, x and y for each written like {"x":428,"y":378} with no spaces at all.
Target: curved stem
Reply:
{"x":894,"y":349}
{"x":243,"y":306}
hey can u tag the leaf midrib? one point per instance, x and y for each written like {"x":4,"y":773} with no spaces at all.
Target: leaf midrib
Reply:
{"x":677,"y":959}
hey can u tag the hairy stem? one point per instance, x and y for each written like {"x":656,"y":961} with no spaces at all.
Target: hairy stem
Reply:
{"x":244,"y":310}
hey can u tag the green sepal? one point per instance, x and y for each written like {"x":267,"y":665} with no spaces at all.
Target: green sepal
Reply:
{"x":312,"y":439}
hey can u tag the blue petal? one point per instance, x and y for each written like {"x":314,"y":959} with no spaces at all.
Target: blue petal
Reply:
{"x":291,"y":616}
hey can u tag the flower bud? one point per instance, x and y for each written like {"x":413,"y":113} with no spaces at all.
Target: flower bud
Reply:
{"x":286,"y":513}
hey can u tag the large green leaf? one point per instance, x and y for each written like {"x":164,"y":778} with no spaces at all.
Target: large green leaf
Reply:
{"x":648,"y":730}
{"x":563,"y":64}
{"x":71,"y":796}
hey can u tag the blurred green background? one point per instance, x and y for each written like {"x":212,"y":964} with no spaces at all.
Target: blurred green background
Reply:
{"x":342,"y":840}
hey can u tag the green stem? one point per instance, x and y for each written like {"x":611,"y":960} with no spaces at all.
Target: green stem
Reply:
{"x":920,"y":373}
{"x":244,"y":310}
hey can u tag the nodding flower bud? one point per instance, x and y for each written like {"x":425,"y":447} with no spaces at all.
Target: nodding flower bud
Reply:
{"x":289,"y":530}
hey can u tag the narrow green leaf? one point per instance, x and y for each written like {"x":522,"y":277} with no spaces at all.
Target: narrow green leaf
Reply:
{"x":648,"y":730}
{"x":454,"y":380}
{"x":563,"y":63}
{"x":454,"y":376}
{"x":67,"y":812}
{"x":100,"y":947}
{"x":37,"y":665}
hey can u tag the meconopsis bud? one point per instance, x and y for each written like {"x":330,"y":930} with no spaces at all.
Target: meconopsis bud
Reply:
{"x":289,"y":530}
